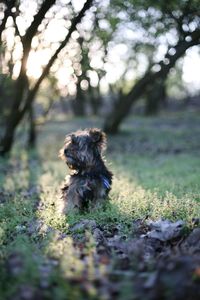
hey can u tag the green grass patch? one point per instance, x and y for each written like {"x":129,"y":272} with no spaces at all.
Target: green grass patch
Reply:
{"x":156,"y":165}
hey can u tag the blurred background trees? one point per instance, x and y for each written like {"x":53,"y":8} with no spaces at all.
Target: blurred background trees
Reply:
{"x":89,"y":57}
{"x":171,"y":27}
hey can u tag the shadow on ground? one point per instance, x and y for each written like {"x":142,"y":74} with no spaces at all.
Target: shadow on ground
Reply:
{"x":105,"y":254}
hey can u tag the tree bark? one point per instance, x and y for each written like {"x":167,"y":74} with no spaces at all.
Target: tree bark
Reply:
{"x":124,"y":104}
{"x":78,"y":104}
{"x":155,"y":97}
{"x":95,"y":99}
{"x":32,"y":129}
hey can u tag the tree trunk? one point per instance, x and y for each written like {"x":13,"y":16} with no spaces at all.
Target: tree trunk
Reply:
{"x":155,"y":98}
{"x":7,"y":141}
{"x":95,"y":99}
{"x":123,"y":105}
{"x":78,"y":104}
{"x":32,"y":129}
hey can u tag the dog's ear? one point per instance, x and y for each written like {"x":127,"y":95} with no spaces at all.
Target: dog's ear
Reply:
{"x":61,"y":154}
{"x":98,"y":137}
{"x":73,"y":138}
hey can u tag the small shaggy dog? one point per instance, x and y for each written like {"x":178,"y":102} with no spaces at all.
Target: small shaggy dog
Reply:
{"x":90,"y":181}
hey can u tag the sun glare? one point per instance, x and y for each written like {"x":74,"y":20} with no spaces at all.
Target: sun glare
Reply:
{"x":36,"y":62}
{"x":191,"y":68}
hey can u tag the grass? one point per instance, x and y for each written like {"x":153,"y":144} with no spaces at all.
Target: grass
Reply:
{"x":156,"y":166}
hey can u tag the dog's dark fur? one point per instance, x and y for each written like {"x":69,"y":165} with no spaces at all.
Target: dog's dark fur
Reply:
{"x":90,"y":181}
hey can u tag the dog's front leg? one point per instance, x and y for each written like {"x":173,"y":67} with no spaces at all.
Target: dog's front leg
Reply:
{"x":86,"y":194}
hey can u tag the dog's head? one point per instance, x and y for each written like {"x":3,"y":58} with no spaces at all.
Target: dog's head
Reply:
{"x":82,"y":149}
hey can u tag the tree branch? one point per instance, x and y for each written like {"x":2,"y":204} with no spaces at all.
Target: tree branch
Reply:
{"x":46,"y":70}
{"x":31,"y":31}
{"x":15,"y":25}
{"x":26,"y":42}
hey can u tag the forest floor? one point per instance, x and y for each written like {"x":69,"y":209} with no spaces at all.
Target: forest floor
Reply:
{"x":118,"y":252}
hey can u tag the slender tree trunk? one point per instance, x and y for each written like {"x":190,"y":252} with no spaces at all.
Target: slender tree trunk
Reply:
{"x":155,"y":97}
{"x":95,"y":99}
{"x":78,"y":104}
{"x":32,"y":129}
{"x":8,"y":138}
